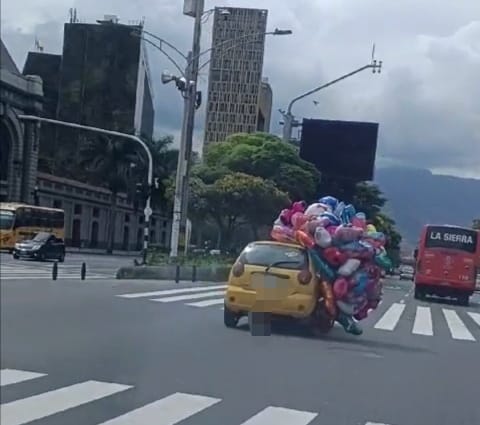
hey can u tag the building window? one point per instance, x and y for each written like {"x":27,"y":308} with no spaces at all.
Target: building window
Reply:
{"x":57,"y":203}
{"x":127,"y":218}
{"x":96,"y":212}
{"x":77,"y":209}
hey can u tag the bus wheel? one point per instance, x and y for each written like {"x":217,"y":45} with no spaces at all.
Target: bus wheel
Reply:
{"x":464,"y":300}
{"x":419,"y":294}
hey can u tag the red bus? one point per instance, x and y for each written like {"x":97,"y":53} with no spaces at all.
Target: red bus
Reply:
{"x":447,"y":261}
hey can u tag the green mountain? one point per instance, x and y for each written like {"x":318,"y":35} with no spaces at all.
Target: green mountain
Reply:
{"x":417,"y":197}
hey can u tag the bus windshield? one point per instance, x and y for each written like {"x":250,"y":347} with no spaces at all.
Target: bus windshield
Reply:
{"x":6,"y":219}
{"x":458,"y":239}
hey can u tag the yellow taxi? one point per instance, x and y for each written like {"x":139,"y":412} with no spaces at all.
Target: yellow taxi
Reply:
{"x":272,"y":277}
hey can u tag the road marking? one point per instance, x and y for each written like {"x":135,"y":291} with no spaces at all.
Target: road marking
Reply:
{"x":13,"y":376}
{"x":391,"y":317}
{"x":375,"y":423}
{"x":188,"y":297}
{"x":171,"y":291}
{"x":167,"y":411}
{"x":46,"y":404}
{"x":457,"y":328}
{"x":207,"y":303}
{"x":423,"y":322}
{"x":281,"y":416}
{"x":475,"y":317}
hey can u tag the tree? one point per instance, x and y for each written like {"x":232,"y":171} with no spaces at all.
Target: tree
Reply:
{"x":236,"y":199}
{"x":108,"y":161}
{"x":266,"y":156}
{"x":370,"y":200}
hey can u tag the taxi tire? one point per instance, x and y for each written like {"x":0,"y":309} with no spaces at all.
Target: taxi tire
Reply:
{"x":230,"y":319}
{"x":15,"y":257}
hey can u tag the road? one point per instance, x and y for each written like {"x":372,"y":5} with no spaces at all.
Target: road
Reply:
{"x":116,"y":353}
{"x":98,"y":267}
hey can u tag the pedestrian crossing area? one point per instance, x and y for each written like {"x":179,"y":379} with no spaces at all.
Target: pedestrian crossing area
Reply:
{"x":20,"y":270}
{"x":168,"y":410}
{"x":462,"y":325}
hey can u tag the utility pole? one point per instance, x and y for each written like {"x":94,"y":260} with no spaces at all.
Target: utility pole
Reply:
{"x":289,"y":119}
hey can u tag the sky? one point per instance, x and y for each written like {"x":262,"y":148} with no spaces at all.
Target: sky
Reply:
{"x":426,"y":100}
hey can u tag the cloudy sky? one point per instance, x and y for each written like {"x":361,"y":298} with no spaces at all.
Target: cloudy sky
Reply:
{"x":427,"y":99}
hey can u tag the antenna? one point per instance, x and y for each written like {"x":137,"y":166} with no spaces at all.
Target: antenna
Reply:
{"x":373,"y":52}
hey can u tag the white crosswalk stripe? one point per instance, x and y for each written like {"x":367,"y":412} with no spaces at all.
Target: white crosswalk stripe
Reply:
{"x":39,"y":406}
{"x":281,"y":416}
{"x":170,"y":410}
{"x":423,"y":322}
{"x":171,"y":291}
{"x":189,"y":297}
{"x":13,"y":376}
{"x":389,"y":320}
{"x":457,"y":328}
{"x":36,"y":270}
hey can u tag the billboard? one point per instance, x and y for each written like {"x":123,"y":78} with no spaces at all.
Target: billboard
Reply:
{"x":342,"y":149}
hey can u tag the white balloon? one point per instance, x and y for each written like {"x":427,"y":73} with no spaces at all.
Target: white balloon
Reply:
{"x":349,"y":267}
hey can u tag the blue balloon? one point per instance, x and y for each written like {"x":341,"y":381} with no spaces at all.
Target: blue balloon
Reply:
{"x":348,"y":213}
{"x":332,"y":218}
{"x":321,"y":267}
{"x":331,"y":201}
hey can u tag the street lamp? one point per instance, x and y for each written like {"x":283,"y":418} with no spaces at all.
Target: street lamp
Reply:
{"x":288,"y":118}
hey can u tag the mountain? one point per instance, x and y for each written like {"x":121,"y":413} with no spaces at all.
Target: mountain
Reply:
{"x":417,"y":197}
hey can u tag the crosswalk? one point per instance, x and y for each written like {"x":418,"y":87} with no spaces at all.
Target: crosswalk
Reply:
{"x":462,"y":325}
{"x":169,"y":410}
{"x":20,"y":270}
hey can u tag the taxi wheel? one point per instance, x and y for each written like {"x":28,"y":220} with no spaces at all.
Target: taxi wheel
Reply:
{"x":15,"y":257}
{"x":230,"y":319}
{"x":464,"y":300}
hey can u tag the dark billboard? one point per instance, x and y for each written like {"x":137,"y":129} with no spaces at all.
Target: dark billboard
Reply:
{"x":343,"y":149}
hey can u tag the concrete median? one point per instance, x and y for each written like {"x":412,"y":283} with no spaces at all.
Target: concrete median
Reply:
{"x":177,"y":273}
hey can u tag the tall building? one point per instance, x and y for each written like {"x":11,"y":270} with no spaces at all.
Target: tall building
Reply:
{"x":102,"y":79}
{"x":264,"y":106}
{"x":19,"y":95}
{"x":235,"y":77}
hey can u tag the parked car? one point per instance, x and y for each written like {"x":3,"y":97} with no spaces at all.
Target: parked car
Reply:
{"x":43,"y":246}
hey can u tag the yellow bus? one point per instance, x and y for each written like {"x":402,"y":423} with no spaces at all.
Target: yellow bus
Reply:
{"x":22,"y":221}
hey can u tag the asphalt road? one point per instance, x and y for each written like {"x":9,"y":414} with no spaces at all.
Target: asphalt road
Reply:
{"x":103,"y":355}
{"x":98,"y":266}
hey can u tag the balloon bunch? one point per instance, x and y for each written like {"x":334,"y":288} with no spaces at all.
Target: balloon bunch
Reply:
{"x":348,"y":254}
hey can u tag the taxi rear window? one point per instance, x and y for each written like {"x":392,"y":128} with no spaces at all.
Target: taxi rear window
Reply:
{"x":284,"y":257}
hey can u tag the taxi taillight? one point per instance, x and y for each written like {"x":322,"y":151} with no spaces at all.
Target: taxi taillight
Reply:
{"x":238,"y":269}
{"x":304,"y":277}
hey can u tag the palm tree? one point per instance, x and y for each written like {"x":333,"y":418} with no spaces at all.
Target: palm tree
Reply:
{"x":165,"y":159}
{"x":108,"y":162}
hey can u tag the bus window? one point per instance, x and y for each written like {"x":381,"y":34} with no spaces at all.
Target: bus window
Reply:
{"x":6,"y":219}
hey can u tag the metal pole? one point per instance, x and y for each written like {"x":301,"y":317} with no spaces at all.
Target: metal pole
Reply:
{"x":288,"y":116}
{"x":186,"y":141}
{"x":180,"y":177}
{"x":148,"y":210}
{"x":192,"y":97}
